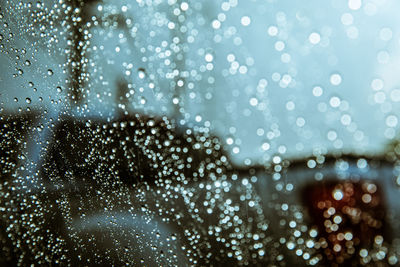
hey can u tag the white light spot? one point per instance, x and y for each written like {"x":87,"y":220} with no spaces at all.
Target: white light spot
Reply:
{"x":336,"y":79}
{"x":334,"y":101}
{"x":332,"y":135}
{"x":348,"y":236}
{"x":265,"y":146}
{"x":243,"y":69}
{"x":310,"y":243}
{"x":300,"y":121}
{"x":290,"y":245}
{"x":279,"y":46}
{"x":354,"y":4}
{"x":276,"y":159}
{"x":221,"y":17}
{"x":184,"y":6}
{"x":230,"y":57}
{"x":245,"y":20}
{"x":337,"y":219}
{"x":272,"y":30}
{"x":171,"y":25}
{"x":313,"y":233}
{"x":337,"y":194}
{"x":345,"y":119}
{"x":290,"y":105}
{"x":311,"y":164}
{"x":286,"y":79}
{"x":317,"y":91}
{"x":225,"y":6}
{"x":253,"y":101}
{"x":314,"y":38}
{"x":363,"y":253}
{"x":208,"y":57}
{"x":229,"y":140}
{"x":216,"y":24}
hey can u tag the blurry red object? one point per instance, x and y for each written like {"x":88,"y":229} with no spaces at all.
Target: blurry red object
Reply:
{"x":350,"y":218}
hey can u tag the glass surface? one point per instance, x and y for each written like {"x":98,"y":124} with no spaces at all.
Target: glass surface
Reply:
{"x":198,"y":133}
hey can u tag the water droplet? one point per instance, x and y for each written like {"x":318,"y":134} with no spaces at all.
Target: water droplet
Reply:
{"x":336,"y":79}
{"x":314,"y":38}
{"x":141,"y":73}
{"x":354,"y":4}
{"x":245,"y":20}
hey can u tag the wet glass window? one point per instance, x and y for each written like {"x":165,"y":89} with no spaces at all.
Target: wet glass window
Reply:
{"x":199,"y":133}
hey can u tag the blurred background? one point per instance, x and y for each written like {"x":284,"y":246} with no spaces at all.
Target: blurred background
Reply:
{"x":267,"y":77}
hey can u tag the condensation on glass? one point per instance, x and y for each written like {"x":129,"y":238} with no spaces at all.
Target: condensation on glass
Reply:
{"x":199,"y":133}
